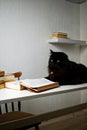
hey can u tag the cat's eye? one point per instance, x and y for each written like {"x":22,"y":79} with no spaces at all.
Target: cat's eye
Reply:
{"x":58,"y":61}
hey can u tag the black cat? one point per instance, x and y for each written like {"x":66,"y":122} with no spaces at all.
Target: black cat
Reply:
{"x":64,"y":71}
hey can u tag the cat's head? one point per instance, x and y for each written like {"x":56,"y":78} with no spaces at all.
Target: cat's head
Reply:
{"x":56,"y":65}
{"x":57,"y":59}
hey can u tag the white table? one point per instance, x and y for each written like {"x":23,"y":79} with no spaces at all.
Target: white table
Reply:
{"x":8,"y":95}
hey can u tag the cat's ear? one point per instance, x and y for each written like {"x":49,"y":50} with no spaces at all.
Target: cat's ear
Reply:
{"x":51,"y":51}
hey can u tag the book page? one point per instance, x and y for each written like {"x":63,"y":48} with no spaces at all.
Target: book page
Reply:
{"x":34,"y":83}
{"x":14,"y":85}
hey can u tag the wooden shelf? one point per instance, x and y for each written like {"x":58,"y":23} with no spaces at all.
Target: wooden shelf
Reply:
{"x":67,"y":41}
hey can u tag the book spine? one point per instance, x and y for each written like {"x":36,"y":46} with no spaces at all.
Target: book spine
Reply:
{"x":2,"y":73}
{"x":2,"y":86}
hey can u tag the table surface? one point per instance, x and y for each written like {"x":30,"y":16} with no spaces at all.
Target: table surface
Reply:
{"x":8,"y":95}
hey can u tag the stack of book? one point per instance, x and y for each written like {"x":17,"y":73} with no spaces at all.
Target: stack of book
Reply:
{"x":2,"y":73}
{"x":59,"y":35}
{"x":5,"y":78}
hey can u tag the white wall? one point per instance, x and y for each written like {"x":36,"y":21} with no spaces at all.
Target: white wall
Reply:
{"x":83,"y":36}
{"x":25,"y":27}
{"x":83,"y":31}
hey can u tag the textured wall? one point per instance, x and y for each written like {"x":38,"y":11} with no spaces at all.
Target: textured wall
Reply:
{"x":25,"y":27}
{"x":83,"y":31}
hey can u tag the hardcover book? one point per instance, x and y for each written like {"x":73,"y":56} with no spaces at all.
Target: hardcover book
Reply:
{"x":7,"y":78}
{"x":36,"y":85}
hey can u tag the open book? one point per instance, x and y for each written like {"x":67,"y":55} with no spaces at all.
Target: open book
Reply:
{"x":36,"y":85}
{"x":39,"y":84}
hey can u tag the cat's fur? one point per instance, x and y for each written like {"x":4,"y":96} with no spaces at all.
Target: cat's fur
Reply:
{"x":64,"y":71}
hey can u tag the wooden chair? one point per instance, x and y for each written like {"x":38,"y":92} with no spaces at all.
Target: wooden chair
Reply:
{"x":12,"y":111}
